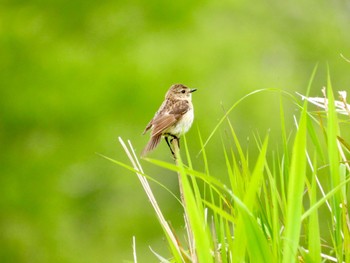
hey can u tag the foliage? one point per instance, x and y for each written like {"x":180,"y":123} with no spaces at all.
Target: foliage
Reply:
{"x":270,"y":210}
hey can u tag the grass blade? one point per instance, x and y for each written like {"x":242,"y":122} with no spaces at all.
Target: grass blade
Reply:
{"x":295,"y":192}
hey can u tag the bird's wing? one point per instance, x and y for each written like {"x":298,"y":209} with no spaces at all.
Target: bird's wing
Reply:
{"x":149,"y":125}
{"x":159,"y":112}
{"x":162,"y":122}
{"x":180,"y":108}
{"x":166,"y":119}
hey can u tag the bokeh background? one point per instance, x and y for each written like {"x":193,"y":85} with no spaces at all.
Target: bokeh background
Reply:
{"x":75,"y":75}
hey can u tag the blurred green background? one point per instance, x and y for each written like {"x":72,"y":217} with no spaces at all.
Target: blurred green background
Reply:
{"x":75,"y":75}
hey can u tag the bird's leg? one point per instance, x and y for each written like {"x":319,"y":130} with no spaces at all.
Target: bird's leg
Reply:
{"x":169,"y":144}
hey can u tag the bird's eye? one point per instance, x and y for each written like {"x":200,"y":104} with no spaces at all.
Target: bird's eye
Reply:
{"x":183,"y":91}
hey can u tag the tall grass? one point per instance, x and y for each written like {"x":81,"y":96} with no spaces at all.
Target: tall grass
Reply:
{"x":270,"y":209}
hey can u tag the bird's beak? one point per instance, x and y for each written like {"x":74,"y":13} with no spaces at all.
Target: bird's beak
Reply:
{"x":192,"y":90}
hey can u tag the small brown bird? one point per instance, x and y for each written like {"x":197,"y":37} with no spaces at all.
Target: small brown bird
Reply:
{"x":173,"y":119}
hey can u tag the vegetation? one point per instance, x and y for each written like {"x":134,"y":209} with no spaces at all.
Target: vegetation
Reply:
{"x":270,"y":212}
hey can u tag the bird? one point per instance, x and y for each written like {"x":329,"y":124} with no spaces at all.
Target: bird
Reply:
{"x":173,"y":119}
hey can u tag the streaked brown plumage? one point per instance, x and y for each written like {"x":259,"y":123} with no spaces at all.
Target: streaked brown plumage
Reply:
{"x":174,"y":117}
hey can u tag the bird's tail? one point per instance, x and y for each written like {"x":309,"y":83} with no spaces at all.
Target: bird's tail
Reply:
{"x":153,"y":143}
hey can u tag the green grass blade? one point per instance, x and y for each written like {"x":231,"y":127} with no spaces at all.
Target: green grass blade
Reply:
{"x":345,"y":215}
{"x":276,"y":204}
{"x":195,"y":186}
{"x":200,"y":231}
{"x":205,"y":159}
{"x":188,"y":156}
{"x":314,"y":230}
{"x":284,"y":161}
{"x":256,"y":179}
{"x":296,"y":182}
{"x":334,"y":162}
{"x":295,"y":192}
